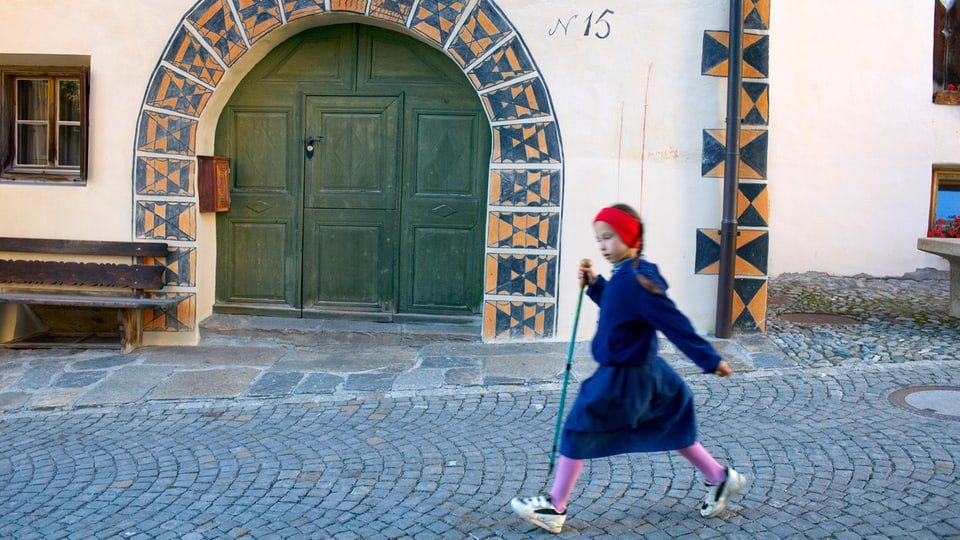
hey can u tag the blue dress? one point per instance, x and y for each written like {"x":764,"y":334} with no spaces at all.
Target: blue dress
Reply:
{"x":635,"y":402}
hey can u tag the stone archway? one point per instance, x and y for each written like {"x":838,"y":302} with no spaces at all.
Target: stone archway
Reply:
{"x":526,"y":163}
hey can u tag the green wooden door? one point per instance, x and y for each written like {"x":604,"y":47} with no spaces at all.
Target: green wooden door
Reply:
{"x":443,"y":208}
{"x":350,"y":204}
{"x":259,"y":239}
{"x":382,"y":215}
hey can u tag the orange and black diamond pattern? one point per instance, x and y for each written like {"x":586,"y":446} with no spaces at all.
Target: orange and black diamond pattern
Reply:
{"x":179,"y":318}
{"x":521,"y":275}
{"x":750,"y":304}
{"x":526,"y":165}
{"x":523,"y":230}
{"x":753,"y":153}
{"x":756,"y":14}
{"x":525,"y":187}
{"x":180,"y":263}
{"x":295,"y":9}
{"x":515,"y":319}
{"x":521,"y":101}
{"x":752,"y":251}
{"x":165,"y":176}
{"x":186,"y":53}
{"x":214,"y":21}
{"x":167,"y":134}
{"x":435,"y":19}
{"x":482,"y":30}
{"x":164,"y":220}
{"x":258,"y":17}
{"x":173,"y":92}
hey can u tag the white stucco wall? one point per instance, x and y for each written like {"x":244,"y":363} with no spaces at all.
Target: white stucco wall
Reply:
{"x":124,"y":46}
{"x":631,"y":109}
{"x":853,"y":136}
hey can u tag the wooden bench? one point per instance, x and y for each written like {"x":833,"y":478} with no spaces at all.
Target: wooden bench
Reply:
{"x":117,"y":285}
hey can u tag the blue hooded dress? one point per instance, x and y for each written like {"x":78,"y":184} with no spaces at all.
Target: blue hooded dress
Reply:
{"x":634,"y":401}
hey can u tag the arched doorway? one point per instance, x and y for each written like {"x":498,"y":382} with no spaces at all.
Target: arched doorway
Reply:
{"x":205,"y":58}
{"x":360,"y":162}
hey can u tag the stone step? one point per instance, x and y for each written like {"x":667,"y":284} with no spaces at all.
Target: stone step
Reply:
{"x":222,"y":329}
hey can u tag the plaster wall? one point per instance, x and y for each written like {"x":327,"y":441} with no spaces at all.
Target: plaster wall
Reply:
{"x":123,"y":46}
{"x":854,"y":134}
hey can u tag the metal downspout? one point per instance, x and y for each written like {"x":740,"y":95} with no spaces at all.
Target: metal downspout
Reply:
{"x":731,"y":175}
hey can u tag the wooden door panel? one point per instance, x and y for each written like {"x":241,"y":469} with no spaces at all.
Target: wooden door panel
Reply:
{"x":443,"y":259}
{"x":257,"y":252}
{"x":445,"y":159}
{"x":442,"y":207}
{"x":258,"y":239}
{"x":354,"y":165}
{"x":348,"y":260}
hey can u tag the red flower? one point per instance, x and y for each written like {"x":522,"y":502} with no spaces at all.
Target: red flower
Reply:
{"x":945,"y":228}
{"x":951,"y":87}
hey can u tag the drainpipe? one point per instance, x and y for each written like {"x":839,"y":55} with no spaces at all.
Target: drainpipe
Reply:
{"x":731,"y":175}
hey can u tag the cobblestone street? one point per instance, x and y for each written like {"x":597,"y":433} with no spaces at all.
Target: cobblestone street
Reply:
{"x":432,"y":442}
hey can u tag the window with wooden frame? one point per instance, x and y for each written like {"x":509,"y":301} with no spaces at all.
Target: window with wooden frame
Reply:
{"x":44,"y":119}
{"x":944,"y":193}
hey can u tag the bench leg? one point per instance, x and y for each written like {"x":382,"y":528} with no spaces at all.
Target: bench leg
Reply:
{"x":131,"y":329}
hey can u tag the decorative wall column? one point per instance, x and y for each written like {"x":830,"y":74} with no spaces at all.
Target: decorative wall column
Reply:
{"x":526,"y":164}
{"x":753,"y":208}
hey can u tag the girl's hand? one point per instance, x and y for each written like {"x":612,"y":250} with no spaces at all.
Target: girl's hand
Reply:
{"x":586,"y":274}
{"x":723,"y":369}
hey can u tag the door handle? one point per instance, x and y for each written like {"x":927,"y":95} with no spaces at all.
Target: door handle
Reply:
{"x":310,"y":140}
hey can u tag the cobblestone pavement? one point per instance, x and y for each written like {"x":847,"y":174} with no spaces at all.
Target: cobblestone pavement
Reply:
{"x":433,"y":441}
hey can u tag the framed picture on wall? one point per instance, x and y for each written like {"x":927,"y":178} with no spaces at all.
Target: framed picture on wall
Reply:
{"x":944,"y":193}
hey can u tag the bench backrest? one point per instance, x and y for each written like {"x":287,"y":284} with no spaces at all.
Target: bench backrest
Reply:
{"x":83,"y":247}
{"x":135,"y":276}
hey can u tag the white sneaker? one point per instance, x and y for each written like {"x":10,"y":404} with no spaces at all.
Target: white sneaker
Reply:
{"x":539,"y":511}
{"x":717,"y":496}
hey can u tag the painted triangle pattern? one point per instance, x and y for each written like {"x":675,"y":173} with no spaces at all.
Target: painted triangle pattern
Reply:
{"x":753,"y":153}
{"x":391,"y":10}
{"x":756,"y":14}
{"x":355,"y":6}
{"x":258,"y":17}
{"x":525,"y":187}
{"x":526,"y":143}
{"x":295,"y":9}
{"x":755,"y":103}
{"x":165,"y":134}
{"x":521,"y":275}
{"x":186,"y":53}
{"x":519,"y":319}
{"x":484,"y":28}
{"x":435,"y":19}
{"x":523,"y":230}
{"x":214,"y":22}
{"x":162,"y":176}
{"x":170,"y":91}
{"x":753,"y":205}
{"x":751,"y":254}
{"x":749,"y":304}
{"x":180,"y":263}
{"x":714,"y":60}
{"x":524,"y":100}
{"x":180,"y":317}
{"x":162,"y":220}
{"x":506,"y":63}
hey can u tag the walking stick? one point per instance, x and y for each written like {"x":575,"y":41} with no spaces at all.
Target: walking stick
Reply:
{"x":566,"y":374}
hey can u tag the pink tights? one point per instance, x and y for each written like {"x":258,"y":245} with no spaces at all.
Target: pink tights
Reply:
{"x":568,"y":470}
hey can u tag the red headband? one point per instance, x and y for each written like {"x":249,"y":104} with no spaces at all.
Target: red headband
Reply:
{"x":627,"y":226}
